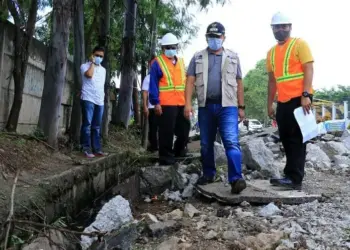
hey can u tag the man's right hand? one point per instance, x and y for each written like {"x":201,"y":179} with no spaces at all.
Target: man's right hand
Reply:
{"x":92,"y":59}
{"x":271,"y":112}
{"x":158,"y":109}
{"x":188,"y":111}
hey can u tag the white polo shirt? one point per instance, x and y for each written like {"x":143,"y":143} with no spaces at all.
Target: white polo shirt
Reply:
{"x":93,"y":88}
{"x":145,"y":87}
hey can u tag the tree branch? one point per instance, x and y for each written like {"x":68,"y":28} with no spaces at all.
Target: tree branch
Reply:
{"x":9,"y":218}
{"x":12,"y":8}
{"x":32,"y":223}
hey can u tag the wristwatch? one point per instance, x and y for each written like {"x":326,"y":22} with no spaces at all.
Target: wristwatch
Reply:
{"x":306,"y":94}
{"x":241,"y":107}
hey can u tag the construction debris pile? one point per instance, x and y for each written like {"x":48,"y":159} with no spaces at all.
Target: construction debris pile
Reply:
{"x":176,"y":218}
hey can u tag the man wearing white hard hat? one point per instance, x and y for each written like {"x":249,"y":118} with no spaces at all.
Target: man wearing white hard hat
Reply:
{"x":167,"y":86}
{"x":290,"y":68}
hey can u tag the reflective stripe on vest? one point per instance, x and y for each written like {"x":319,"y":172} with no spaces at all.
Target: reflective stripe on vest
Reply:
{"x":165,"y":70}
{"x":286,"y":75}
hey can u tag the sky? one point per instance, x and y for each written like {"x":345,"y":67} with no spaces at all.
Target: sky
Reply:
{"x":324,"y":25}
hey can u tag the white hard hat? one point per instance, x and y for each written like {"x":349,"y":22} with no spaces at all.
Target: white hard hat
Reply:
{"x":169,"y":39}
{"x":280,"y":18}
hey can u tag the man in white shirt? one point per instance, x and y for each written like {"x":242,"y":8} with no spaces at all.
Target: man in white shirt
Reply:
{"x":92,"y":103}
{"x":149,"y":112}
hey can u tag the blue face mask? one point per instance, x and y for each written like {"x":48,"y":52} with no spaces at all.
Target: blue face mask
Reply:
{"x":215,"y":43}
{"x":170,"y":53}
{"x":98,"y":60}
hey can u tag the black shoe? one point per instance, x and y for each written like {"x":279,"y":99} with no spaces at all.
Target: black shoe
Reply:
{"x":238,"y":186}
{"x":286,"y":182}
{"x":203,"y":180}
{"x":152,"y":150}
{"x":182,"y":154}
{"x":166,"y":162}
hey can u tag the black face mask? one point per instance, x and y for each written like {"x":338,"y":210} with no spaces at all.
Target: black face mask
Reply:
{"x":281,"y":35}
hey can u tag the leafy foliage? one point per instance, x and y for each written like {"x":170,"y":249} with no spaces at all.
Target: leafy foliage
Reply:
{"x":255,"y":91}
{"x":336,"y":94}
{"x":22,"y":7}
{"x":172,"y":17}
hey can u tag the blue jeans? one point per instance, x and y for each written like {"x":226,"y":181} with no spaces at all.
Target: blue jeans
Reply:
{"x":210,"y":118}
{"x":90,"y":134}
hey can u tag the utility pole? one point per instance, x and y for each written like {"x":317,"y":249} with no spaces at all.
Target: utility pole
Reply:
{"x":153,"y":44}
{"x":104,"y":41}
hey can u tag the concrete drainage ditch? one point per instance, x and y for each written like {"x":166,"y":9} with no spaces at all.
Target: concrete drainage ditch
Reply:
{"x":171,"y":219}
{"x":111,"y":185}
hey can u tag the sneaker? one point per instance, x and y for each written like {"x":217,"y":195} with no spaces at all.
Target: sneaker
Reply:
{"x":88,"y":154}
{"x":238,"y":186}
{"x":100,"y":153}
{"x":152,"y":150}
{"x":286,"y":182}
{"x":204,"y":180}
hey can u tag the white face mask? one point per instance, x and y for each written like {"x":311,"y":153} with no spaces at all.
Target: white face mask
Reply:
{"x":98,"y":60}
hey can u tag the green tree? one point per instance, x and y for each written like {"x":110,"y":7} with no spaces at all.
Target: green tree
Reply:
{"x":336,"y":94}
{"x":55,"y":71}
{"x":24,"y":14}
{"x":255,"y":91}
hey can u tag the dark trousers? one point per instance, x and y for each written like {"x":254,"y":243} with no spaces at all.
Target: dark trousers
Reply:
{"x":292,"y":139}
{"x":153,"y":130}
{"x":172,"y":122}
{"x":91,"y":126}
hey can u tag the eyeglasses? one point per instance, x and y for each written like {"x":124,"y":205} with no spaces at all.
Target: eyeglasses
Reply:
{"x":170,"y":47}
{"x":280,"y":26}
{"x":213,"y":36}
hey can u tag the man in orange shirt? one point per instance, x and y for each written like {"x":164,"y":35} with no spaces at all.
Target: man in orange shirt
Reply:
{"x":290,"y":69}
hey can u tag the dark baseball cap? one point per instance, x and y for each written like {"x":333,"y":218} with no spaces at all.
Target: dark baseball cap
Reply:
{"x":216,"y":28}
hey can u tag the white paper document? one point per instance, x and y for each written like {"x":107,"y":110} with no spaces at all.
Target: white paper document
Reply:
{"x":307,"y":124}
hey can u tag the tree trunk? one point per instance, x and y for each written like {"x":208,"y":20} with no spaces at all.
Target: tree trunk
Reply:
{"x":114,"y":103}
{"x":143,"y":75}
{"x":104,"y":41}
{"x":145,"y":129}
{"x":93,"y":28}
{"x":79,"y":57}
{"x":22,"y":43}
{"x":128,"y":59}
{"x":145,"y":125}
{"x":55,"y":72}
{"x":136,"y":103}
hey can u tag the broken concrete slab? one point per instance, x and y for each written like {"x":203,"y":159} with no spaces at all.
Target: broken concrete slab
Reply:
{"x":153,"y":158}
{"x":257,"y":191}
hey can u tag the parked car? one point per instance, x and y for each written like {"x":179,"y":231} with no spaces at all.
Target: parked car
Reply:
{"x":254,"y":125}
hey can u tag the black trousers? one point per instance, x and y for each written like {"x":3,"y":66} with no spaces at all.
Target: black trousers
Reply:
{"x":153,"y":130}
{"x":292,"y":139}
{"x":172,"y":122}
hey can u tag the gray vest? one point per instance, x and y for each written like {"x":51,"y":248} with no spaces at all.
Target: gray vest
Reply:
{"x":228,"y":77}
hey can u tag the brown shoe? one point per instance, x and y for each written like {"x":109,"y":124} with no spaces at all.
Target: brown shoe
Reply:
{"x":238,"y":186}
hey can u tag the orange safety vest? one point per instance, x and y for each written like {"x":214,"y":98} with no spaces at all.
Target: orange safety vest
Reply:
{"x":288,"y":71}
{"x":172,"y":83}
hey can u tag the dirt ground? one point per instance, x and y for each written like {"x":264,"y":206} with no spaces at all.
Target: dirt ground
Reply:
{"x":36,"y":160}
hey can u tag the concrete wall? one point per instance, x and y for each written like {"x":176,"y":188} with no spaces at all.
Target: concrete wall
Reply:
{"x":34,"y":83}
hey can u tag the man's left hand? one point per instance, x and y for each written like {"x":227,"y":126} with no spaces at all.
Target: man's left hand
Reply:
{"x":306,"y":104}
{"x":241,"y":114}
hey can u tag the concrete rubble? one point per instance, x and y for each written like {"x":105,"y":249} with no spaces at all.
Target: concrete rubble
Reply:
{"x":274,"y":226}
{"x":190,"y":223}
{"x":321,"y":224}
{"x":113,"y":215}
